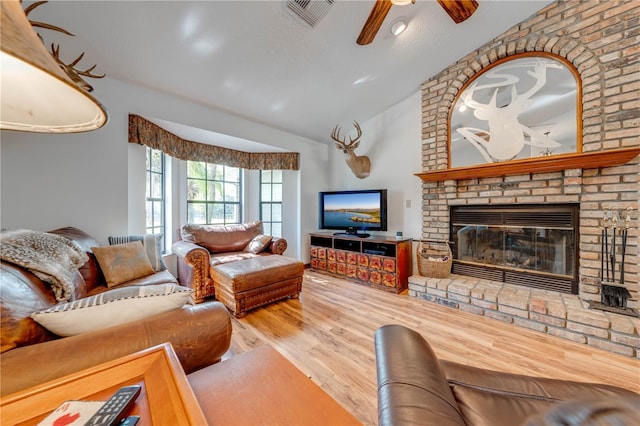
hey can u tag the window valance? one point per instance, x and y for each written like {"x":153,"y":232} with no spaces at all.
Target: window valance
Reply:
{"x":142,"y":131}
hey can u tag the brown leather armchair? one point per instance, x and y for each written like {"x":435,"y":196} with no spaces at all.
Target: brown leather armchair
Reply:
{"x":204,"y":246}
{"x":415,"y":388}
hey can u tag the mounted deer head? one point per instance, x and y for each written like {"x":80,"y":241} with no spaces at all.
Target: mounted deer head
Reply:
{"x":359,"y":165}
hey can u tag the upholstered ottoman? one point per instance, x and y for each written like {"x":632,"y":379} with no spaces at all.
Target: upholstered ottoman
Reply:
{"x":246,"y":284}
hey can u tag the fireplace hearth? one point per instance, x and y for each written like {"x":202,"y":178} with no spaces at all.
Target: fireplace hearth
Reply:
{"x":528,"y":245}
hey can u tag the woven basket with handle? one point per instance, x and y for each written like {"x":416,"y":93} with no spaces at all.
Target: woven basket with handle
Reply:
{"x":434,"y":259}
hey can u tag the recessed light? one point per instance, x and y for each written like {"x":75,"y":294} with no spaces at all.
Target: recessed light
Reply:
{"x":364,"y":79}
{"x":398,"y":27}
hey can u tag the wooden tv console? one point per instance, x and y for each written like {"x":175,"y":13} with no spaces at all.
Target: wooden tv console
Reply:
{"x":377,"y":261}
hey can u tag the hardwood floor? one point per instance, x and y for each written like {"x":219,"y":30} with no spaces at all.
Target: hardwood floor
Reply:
{"x":328,"y":334}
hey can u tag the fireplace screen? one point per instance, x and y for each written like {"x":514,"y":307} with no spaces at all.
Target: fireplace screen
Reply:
{"x":527,"y":245}
{"x":536,"y":249}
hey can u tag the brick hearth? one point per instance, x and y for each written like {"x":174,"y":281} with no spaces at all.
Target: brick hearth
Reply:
{"x":600,"y":40}
{"x":563,"y":315}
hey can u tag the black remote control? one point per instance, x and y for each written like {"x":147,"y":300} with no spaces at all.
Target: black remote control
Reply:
{"x":116,"y":407}
{"x":129,"y":421}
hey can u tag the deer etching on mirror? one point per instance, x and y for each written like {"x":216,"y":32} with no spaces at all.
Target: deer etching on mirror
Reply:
{"x":359,"y":165}
{"x":506,"y":136}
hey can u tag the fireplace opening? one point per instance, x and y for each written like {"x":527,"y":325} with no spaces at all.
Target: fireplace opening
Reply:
{"x":529,"y":245}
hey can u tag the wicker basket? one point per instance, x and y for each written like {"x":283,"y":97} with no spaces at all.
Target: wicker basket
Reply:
{"x":434,"y":259}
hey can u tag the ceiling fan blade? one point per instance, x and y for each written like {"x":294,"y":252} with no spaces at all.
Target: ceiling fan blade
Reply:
{"x":374,"y":21}
{"x":459,"y":10}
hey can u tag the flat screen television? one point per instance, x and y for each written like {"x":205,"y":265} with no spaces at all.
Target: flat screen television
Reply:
{"x":354,"y":212}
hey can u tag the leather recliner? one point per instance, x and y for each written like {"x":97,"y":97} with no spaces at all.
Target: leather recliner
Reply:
{"x":415,"y":388}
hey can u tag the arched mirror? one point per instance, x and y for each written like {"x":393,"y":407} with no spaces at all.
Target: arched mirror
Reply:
{"x":523,"y":106}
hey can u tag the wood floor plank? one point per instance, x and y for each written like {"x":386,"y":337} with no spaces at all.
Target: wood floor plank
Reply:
{"x":328,"y":334}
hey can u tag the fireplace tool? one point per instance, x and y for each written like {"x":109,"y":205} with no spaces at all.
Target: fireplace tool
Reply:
{"x":613,"y":293}
{"x":625,"y":232}
{"x":614,"y":230}
{"x":604,"y":245}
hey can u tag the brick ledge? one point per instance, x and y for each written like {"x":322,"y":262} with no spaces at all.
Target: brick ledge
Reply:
{"x":558,"y":314}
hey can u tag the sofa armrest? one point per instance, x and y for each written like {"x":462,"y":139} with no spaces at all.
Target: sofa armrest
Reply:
{"x":412,"y":389}
{"x":465,"y":379}
{"x":500,"y":398}
{"x":199,"y":334}
{"x":193,"y":269}
{"x":278,"y":245}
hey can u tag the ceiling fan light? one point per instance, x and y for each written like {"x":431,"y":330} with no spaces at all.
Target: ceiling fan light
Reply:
{"x":402,"y":2}
{"x":37,"y":96}
{"x":398,"y":27}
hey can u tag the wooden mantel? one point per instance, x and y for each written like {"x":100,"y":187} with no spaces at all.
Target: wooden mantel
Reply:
{"x":555,"y":163}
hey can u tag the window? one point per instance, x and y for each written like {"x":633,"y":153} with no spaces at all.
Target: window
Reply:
{"x":155,"y":192}
{"x":213,"y":193}
{"x":271,"y":201}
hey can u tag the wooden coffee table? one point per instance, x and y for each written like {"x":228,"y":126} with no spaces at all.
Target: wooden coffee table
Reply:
{"x":263,"y":387}
{"x":254,"y":388}
{"x":166,"y":396}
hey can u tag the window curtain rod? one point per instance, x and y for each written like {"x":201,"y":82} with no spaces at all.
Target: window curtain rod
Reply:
{"x":144,"y":132}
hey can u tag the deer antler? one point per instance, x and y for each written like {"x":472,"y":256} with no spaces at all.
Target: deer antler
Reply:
{"x":31,"y":7}
{"x":70,"y":68}
{"x":335,"y":135}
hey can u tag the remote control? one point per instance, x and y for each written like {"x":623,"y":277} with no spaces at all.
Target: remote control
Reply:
{"x":129,"y":421}
{"x":116,"y":407}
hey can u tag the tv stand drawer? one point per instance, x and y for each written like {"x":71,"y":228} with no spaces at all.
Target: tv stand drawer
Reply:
{"x":349,"y":245}
{"x":381,"y":249}
{"x":321,"y":241}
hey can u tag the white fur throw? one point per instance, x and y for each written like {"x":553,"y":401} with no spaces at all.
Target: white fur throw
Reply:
{"x":50,"y":257}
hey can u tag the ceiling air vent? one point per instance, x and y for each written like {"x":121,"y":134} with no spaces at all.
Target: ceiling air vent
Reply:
{"x":310,"y":11}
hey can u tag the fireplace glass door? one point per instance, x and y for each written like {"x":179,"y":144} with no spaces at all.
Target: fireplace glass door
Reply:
{"x":535,"y":249}
{"x":531,"y":245}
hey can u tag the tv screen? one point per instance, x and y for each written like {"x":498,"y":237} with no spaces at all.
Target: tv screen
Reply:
{"x":353,"y":211}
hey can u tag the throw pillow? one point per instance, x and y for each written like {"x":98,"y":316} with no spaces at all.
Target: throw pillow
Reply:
{"x":258,"y":243}
{"x":152,"y":244}
{"x":123,"y":262}
{"x":111,"y":308}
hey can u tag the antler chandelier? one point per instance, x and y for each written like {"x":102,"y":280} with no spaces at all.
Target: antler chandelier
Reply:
{"x":40,"y":93}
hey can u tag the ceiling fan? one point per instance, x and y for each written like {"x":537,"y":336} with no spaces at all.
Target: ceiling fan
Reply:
{"x":458,"y":10}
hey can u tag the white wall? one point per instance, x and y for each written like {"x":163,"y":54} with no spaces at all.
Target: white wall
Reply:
{"x":51,"y":181}
{"x":392,"y":141}
{"x":95,"y":180}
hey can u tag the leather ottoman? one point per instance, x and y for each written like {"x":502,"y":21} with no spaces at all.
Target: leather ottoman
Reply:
{"x":246,"y":284}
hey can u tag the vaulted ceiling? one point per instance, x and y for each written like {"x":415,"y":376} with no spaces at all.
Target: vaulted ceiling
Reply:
{"x":256,"y":59}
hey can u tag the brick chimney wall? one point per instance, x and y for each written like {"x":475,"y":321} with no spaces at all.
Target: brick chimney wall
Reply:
{"x":602,"y":41}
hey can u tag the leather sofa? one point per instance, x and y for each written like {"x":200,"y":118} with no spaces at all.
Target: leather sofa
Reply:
{"x":31,"y":354}
{"x":202,"y":247}
{"x":415,"y":388}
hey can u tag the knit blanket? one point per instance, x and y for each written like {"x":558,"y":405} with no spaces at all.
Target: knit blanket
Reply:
{"x":50,"y":257}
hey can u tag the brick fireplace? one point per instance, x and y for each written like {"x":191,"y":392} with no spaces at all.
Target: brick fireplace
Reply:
{"x":600,"y":40}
